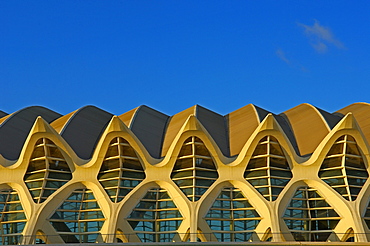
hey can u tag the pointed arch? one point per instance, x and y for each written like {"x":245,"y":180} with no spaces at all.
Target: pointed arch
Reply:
{"x":121,"y":170}
{"x":156,"y":217}
{"x":13,"y":218}
{"x":309,"y":216}
{"x":47,"y":170}
{"x":268,"y":170}
{"x":194,"y":171}
{"x":79,"y":218}
{"x":231,"y":217}
{"x":344,"y":168}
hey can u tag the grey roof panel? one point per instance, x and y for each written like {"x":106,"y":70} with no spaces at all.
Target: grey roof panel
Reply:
{"x":262,"y":113}
{"x":2,"y":114}
{"x":149,"y":126}
{"x":331,"y":119}
{"x":216,"y":126}
{"x":15,"y":129}
{"x":285,"y":125}
{"x":84,"y":128}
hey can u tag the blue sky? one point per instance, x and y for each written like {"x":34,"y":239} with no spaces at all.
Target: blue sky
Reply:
{"x":171,"y":55}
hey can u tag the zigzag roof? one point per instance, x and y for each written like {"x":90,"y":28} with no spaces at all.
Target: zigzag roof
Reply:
{"x":304,"y":125}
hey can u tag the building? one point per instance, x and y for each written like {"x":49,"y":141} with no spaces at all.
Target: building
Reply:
{"x":143,"y":176}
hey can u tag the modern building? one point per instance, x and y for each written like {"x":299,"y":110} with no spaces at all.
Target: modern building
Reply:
{"x":143,"y":176}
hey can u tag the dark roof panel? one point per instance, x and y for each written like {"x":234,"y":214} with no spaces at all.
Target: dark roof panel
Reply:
{"x":149,"y":126}
{"x":15,"y":129}
{"x":84,"y":128}
{"x":262,"y":113}
{"x":331,"y":119}
{"x":216,"y":127}
{"x":2,"y":114}
{"x":287,"y":128}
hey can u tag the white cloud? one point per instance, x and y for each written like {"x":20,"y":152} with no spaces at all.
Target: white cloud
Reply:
{"x":320,"y":37}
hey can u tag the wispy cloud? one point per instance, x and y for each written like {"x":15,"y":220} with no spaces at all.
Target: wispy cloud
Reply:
{"x":281,"y":54}
{"x":294,"y":64}
{"x":320,"y":37}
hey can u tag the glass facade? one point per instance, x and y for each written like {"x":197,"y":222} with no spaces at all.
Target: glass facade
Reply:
{"x":194,"y":170}
{"x":79,"y":218}
{"x":12,"y":219}
{"x":309,"y":217}
{"x":47,"y":170}
{"x":232,"y":218}
{"x":344,"y":168}
{"x":121,"y":170}
{"x":156,"y":217}
{"x":268,"y":170}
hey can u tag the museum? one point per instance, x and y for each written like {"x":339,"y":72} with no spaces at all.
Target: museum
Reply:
{"x":197,"y":176}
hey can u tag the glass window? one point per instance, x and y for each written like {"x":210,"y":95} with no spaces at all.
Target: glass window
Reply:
{"x":275,"y":149}
{"x":257,"y":163}
{"x":200,"y":149}
{"x":186,"y":150}
{"x":344,"y":165}
{"x":270,"y":169}
{"x":82,"y":217}
{"x":194,"y":170}
{"x":160,"y":215}
{"x":47,"y":169}
{"x":12,"y":217}
{"x":230,"y":213}
{"x":261,"y":149}
{"x":121,"y":170}
{"x":309,"y":212}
